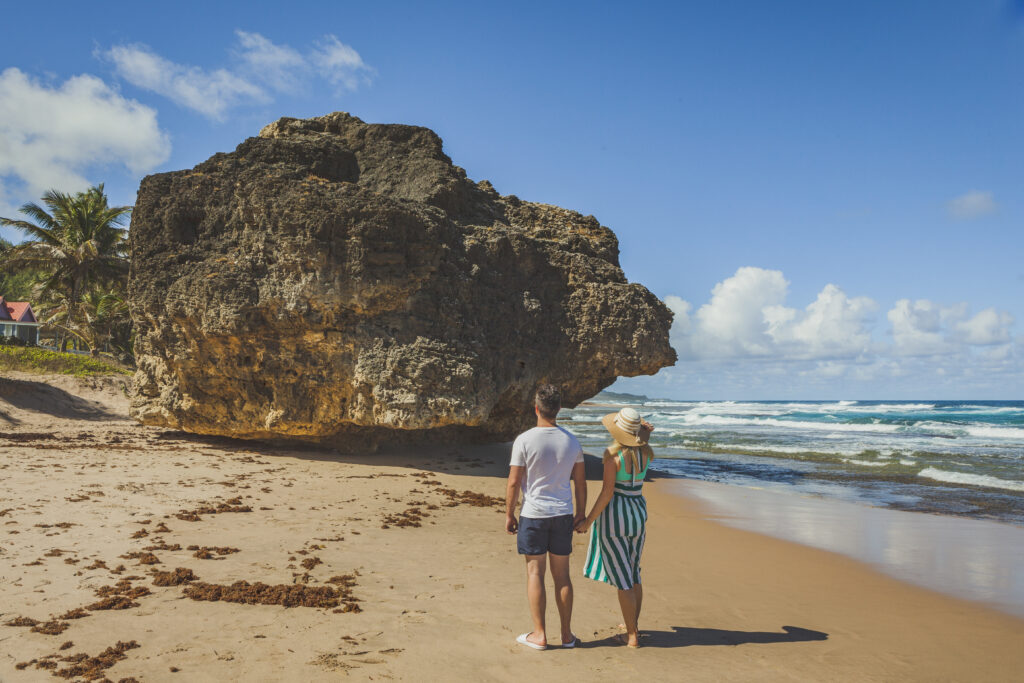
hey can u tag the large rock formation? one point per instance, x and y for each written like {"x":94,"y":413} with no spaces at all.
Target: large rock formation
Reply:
{"x":344,"y":283}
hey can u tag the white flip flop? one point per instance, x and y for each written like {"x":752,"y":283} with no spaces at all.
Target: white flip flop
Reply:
{"x":523,"y":641}
{"x":572,"y":643}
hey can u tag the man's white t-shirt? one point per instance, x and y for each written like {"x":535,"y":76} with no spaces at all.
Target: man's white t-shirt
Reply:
{"x":548,"y":454}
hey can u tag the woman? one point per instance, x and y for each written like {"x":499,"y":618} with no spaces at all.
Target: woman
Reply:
{"x":619,"y":517}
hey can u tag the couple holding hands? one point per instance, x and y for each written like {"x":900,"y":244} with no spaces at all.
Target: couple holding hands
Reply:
{"x":544,"y":461}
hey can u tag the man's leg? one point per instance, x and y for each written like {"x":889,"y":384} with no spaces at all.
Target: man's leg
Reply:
{"x":563,"y":593}
{"x":536,"y":566}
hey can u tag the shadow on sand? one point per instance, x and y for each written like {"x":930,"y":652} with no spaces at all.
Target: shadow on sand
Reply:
{"x":682,"y":636}
{"x":40,"y":397}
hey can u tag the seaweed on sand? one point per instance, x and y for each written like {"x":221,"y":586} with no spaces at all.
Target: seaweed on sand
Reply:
{"x":231,"y":505}
{"x":263,"y":594}
{"x":92,"y":668}
{"x":176,"y":578}
{"x":51,"y":628}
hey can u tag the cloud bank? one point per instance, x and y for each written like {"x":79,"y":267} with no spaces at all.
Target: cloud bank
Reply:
{"x":261,"y":70}
{"x":50,"y":134}
{"x":746,"y":342}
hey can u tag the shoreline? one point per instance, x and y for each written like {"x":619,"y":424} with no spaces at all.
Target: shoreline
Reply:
{"x":978,"y":560}
{"x":439,"y":586}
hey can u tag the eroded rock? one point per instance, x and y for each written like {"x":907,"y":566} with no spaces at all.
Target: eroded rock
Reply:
{"x":345,"y":283}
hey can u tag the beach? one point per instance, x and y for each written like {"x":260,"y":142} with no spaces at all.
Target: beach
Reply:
{"x":405,"y":559}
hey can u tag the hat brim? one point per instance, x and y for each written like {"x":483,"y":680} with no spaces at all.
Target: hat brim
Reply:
{"x":621,"y":435}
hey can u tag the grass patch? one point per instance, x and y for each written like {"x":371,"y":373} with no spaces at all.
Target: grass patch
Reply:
{"x":45,"y":362}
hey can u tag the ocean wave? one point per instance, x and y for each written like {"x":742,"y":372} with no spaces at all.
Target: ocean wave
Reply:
{"x":973,"y":479}
{"x":996,"y":432}
{"x":867,"y":463}
{"x":725,"y":420}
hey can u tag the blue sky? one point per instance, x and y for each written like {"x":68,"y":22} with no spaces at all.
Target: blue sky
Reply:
{"x":827,"y":194}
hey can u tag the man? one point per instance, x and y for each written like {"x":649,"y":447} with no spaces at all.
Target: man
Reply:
{"x":544,"y":459}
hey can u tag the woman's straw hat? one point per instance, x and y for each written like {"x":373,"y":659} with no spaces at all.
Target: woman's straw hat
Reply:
{"x":626,"y":427}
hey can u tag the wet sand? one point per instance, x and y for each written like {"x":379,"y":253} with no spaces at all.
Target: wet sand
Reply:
{"x":397,"y":566}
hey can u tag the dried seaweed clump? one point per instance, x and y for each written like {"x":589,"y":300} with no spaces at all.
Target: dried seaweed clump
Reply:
{"x":77,"y":613}
{"x":51,"y":628}
{"x":311,"y":562}
{"x":264,"y":594}
{"x":121,"y":595}
{"x":208,"y":552}
{"x":344,"y":585}
{"x":471,"y":498}
{"x":412,"y":516}
{"x":143,"y":558}
{"x":22,"y":621}
{"x":92,"y":668}
{"x":231,"y":505}
{"x":175,"y":578}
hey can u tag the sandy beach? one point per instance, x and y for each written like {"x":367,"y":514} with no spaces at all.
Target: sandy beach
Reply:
{"x":407,"y":568}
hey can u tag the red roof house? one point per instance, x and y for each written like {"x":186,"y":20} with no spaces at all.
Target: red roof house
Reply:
{"x":17,"y":319}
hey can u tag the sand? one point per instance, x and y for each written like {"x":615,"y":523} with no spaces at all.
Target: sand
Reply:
{"x":397,"y":566}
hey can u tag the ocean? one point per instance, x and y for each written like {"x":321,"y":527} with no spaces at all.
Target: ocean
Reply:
{"x":962,"y":458}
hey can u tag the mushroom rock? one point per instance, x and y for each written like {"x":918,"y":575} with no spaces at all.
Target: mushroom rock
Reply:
{"x":343,"y":283}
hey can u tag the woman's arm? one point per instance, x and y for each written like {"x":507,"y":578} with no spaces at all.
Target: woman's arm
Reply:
{"x":611,"y":468}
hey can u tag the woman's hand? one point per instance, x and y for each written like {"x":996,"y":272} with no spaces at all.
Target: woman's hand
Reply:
{"x":646,"y":426}
{"x":583,"y":526}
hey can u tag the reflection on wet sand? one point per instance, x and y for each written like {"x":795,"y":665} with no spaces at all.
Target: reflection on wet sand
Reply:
{"x":973,"y":559}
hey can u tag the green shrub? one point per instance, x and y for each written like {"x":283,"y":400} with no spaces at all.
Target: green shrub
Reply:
{"x":45,"y":362}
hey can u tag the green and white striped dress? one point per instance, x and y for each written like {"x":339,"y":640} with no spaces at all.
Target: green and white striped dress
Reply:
{"x":617,"y":538}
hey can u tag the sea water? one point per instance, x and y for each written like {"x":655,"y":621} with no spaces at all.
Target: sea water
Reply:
{"x":962,"y":458}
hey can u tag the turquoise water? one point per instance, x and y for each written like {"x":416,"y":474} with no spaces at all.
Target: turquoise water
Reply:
{"x":952,"y":457}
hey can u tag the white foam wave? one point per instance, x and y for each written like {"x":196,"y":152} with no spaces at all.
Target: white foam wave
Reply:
{"x":866,"y":463}
{"x":972,"y":479}
{"x":725,"y":420}
{"x":996,"y":432}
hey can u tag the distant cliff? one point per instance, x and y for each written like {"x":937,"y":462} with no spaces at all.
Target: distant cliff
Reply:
{"x":345,"y":283}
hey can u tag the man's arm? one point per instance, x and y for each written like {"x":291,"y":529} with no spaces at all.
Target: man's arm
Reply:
{"x":515,"y":482}
{"x":579,"y":485}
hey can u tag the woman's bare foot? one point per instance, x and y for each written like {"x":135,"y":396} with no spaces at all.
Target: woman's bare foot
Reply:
{"x":624,"y":639}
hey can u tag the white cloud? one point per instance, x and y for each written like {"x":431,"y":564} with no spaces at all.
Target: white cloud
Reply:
{"x":51,"y":135}
{"x":917,"y":327}
{"x":208,"y":92}
{"x":923,"y":328}
{"x":832,"y":325}
{"x":746,"y":317}
{"x":262,"y":68}
{"x":340,"y":64}
{"x":745,"y":342}
{"x":280,"y":66}
{"x":973,"y":204}
{"x":987,"y":328}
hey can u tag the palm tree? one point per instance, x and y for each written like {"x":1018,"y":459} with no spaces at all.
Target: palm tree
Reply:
{"x":78,"y":245}
{"x":16,"y":284}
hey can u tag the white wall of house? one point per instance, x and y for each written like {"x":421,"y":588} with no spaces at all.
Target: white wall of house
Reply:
{"x":26,"y":331}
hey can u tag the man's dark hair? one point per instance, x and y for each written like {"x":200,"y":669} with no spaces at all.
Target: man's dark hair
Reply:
{"x":548,"y":401}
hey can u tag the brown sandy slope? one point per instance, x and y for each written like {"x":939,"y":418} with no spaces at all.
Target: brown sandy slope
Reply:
{"x":437,"y":595}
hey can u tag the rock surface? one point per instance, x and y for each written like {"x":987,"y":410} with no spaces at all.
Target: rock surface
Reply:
{"x":344,"y":283}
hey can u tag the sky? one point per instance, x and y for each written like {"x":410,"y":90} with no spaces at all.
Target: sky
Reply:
{"x":827,"y":195}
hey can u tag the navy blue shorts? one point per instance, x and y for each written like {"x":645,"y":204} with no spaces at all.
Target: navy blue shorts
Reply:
{"x":545,"y":535}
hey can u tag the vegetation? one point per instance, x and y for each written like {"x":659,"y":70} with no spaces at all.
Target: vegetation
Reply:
{"x":74,"y":269}
{"x":16,"y":284}
{"x":42,"y":361}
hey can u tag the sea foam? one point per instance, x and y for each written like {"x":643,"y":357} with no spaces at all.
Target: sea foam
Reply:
{"x":972,"y":479}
